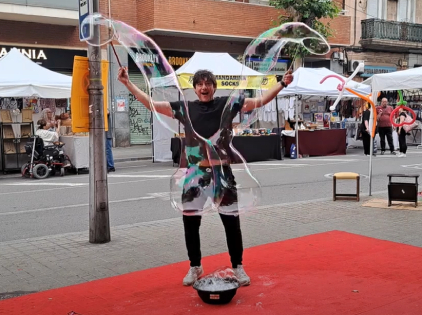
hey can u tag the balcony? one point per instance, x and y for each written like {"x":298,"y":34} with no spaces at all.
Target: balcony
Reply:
{"x":57,"y":12}
{"x":391,"y":36}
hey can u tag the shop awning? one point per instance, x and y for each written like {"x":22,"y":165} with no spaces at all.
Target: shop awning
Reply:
{"x":21,"y":77}
{"x":229,"y":73}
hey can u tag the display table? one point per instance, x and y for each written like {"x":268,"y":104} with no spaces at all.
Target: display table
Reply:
{"x":318,"y":142}
{"x":414,"y":137}
{"x":77,"y":148}
{"x":252,"y":148}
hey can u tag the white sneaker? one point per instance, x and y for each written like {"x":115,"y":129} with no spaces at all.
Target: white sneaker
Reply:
{"x":401,"y":155}
{"x":193,"y":274}
{"x":242,"y":276}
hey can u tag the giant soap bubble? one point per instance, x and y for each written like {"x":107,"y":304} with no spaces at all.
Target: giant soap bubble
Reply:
{"x":268,"y":46}
{"x":204,"y":180}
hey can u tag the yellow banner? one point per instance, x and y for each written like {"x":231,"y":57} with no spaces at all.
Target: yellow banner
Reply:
{"x":233,"y":82}
{"x":79,"y":102}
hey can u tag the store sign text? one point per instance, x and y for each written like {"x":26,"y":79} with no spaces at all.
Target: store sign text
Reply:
{"x":279,"y":67}
{"x":371,"y":70}
{"x":34,"y":54}
{"x":177,"y":61}
{"x":147,"y":58}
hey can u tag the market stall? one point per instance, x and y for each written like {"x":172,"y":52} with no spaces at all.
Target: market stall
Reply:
{"x":25,"y":90}
{"x":227,"y":70}
{"x":401,"y":80}
{"x":268,"y":148}
{"x":306,"y":102}
{"x":331,"y":142}
{"x":77,"y":148}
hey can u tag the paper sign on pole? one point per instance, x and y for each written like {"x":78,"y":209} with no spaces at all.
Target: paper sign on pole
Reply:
{"x":80,"y":96}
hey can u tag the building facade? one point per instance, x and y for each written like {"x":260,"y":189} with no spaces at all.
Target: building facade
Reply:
{"x":385,"y":34}
{"x":47,"y":31}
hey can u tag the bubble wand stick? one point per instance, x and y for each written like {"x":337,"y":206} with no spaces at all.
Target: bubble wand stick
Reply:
{"x":293,"y":59}
{"x":117,"y":57}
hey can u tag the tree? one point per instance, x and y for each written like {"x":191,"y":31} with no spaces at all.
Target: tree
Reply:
{"x":309,"y":12}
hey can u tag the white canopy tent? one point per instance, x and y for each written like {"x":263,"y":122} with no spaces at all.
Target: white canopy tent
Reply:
{"x":400,"y":80}
{"x":219,"y":64}
{"x":306,"y":82}
{"x":21,"y":77}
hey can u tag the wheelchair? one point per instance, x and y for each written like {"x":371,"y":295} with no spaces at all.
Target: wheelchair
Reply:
{"x":45,"y":160}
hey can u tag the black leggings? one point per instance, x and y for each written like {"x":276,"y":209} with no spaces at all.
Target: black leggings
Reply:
{"x":402,"y":141}
{"x":233,"y":235}
{"x":366,"y":139}
{"x":386,"y":132}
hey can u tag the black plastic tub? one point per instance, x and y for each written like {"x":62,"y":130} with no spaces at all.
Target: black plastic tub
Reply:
{"x":211,"y":296}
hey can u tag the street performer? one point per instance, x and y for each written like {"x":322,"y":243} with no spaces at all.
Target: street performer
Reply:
{"x":205,"y":118}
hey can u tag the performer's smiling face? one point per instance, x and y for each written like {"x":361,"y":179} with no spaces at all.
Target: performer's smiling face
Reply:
{"x":205,"y":90}
{"x":205,"y":83}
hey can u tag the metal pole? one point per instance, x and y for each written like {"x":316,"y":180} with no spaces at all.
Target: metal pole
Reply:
{"x":371,"y":145}
{"x":278,"y":118}
{"x":279,"y":147}
{"x":297,"y":127}
{"x":99,"y":222}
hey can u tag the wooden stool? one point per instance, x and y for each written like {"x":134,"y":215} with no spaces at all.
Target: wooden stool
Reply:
{"x":346,"y":175}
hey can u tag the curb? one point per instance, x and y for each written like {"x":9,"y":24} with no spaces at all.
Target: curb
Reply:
{"x":132,"y":159}
{"x":18,"y":174}
{"x":11,"y":175}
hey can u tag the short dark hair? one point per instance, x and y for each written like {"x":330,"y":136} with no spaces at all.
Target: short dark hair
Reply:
{"x":204,"y":75}
{"x":41,"y":123}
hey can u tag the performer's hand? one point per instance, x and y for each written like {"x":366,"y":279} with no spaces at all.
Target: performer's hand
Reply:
{"x":288,"y":77}
{"x":123,"y":76}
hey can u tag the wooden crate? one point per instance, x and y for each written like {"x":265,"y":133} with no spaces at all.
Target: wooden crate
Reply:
{"x":26,"y":115}
{"x":8,"y":132}
{"x":6,"y":116}
{"x":22,"y":147}
{"x":26,"y":131}
{"x":9,"y":147}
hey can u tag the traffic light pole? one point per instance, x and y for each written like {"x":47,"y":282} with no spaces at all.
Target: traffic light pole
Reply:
{"x":99,"y":222}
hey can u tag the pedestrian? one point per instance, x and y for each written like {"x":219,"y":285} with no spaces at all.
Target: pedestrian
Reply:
{"x":364,"y":129}
{"x":385,"y":128}
{"x":402,"y":133}
{"x":50,"y":119}
{"x":109,"y":145}
{"x":205,"y":115}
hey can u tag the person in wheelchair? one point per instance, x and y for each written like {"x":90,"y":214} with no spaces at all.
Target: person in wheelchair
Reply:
{"x":50,"y":139}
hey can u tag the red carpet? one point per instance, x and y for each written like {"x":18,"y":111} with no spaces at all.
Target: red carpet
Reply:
{"x":329,"y":273}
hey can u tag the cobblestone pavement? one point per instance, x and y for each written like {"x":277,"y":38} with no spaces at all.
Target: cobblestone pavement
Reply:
{"x":38,"y":264}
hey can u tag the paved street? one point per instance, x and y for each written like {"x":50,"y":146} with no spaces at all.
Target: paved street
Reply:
{"x":44,"y":223}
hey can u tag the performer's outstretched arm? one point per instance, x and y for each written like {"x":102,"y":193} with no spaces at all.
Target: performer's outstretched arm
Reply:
{"x":161,"y":107}
{"x":252,"y":103}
